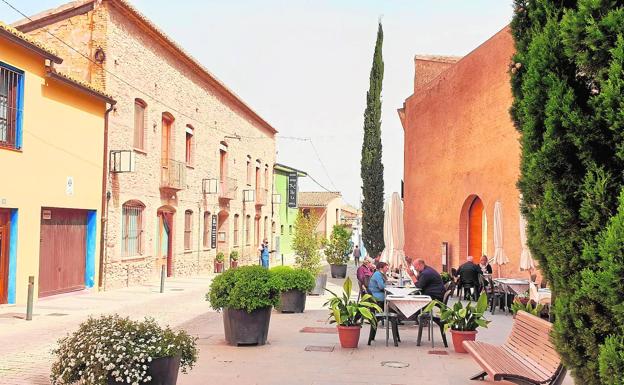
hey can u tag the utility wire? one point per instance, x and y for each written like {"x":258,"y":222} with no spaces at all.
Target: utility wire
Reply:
{"x":322,"y":164}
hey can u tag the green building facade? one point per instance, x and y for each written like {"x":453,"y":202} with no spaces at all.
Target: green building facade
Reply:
{"x":286,"y":214}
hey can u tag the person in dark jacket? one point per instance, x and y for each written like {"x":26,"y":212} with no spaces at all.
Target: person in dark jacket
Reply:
{"x":468,"y":274}
{"x":484,"y":265}
{"x":356,"y":255}
{"x":428,"y":280}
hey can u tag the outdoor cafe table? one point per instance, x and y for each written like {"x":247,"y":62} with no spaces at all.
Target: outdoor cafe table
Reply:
{"x":408,"y":305}
{"x":402,"y":291}
{"x":512,"y":286}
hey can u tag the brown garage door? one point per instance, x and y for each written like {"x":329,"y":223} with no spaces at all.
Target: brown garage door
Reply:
{"x":63,"y":250}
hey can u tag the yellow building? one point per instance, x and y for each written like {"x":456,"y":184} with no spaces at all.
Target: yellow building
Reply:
{"x":52,"y":143}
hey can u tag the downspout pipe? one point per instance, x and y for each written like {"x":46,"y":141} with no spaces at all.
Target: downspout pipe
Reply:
{"x":105,"y":197}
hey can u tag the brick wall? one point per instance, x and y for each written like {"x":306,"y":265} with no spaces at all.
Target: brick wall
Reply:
{"x":159,"y":77}
{"x":460,"y":142}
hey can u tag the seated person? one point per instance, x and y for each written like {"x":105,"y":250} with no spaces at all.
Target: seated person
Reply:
{"x":484,"y":265}
{"x":377,"y":283}
{"x":428,"y":280}
{"x":364,"y":272}
{"x":469,"y":277}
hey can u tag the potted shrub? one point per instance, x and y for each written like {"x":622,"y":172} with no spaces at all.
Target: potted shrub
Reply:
{"x":337,"y":250}
{"x":113,"y":350}
{"x":234,"y":259}
{"x":246,"y":295}
{"x":293,"y":284}
{"x":219,"y":262}
{"x":349,"y":315}
{"x":462,"y":321}
{"x":306,"y":243}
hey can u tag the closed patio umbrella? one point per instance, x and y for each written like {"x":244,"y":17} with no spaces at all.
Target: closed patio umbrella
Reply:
{"x":526,"y":259}
{"x":394,"y":236}
{"x":499,"y":255}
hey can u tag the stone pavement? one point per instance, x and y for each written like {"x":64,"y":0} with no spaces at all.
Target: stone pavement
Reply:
{"x":25,"y":346}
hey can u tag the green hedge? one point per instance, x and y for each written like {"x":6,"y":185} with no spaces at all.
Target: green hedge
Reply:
{"x":245,"y":288}
{"x":568,"y":88}
{"x":286,"y":278}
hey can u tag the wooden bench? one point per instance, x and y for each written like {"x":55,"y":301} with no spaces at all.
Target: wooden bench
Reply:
{"x":527,"y":357}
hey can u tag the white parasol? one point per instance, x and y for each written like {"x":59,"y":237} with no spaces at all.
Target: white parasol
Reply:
{"x":499,"y":255}
{"x":394,"y":236}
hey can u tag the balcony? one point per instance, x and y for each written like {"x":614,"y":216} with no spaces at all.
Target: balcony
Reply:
{"x":227,"y":189}
{"x":173,"y":175}
{"x":261,"y":196}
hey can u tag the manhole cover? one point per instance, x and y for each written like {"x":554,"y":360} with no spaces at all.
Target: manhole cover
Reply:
{"x":312,"y":348}
{"x":57,"y":314}
{"x":438,"y":352}
{"x":176,"y":289}
{"x":395,"y":364}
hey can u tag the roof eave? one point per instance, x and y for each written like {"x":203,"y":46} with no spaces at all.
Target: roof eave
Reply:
{"x":105,"y":98}
{"x":29,"y":46}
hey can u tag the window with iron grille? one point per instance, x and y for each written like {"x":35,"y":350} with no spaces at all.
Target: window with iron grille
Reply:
{"x":140,"y":118}
{"x":207,"y":226}
{"x":236,"y":230}
{"x":132,"y":229}
{"x":11,"y":90}
{"x":188,"y":227}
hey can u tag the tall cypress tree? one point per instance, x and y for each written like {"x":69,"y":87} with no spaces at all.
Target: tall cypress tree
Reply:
{"x":568,"y":87}
{"x":371,"y":167}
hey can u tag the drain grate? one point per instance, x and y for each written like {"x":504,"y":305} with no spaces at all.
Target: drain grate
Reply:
{"x":313,"y":348}
{"x":438,"y":352}
{"x":309,"y":329}
{"x":395,"y":364}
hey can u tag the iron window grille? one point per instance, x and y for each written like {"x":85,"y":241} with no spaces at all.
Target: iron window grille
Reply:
{"x":11,"y":102}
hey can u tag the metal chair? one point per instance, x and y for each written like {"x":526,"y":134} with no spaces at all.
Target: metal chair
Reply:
{"x":426,"y":318}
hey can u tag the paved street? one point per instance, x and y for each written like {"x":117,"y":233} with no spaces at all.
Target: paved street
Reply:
{"x":286,"y":359}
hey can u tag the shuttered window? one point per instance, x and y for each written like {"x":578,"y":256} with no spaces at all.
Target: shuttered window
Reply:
{"x":11,"y":85}
{"x":188,"y":229}
{"x":132,"y":229}
{"x":140,"y":117}
{"x":236,"y":229}
{"x":207,"y":225}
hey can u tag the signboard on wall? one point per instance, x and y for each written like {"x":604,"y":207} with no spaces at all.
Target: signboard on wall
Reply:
{"x":213,"y":232}
{"x":292,"y":190}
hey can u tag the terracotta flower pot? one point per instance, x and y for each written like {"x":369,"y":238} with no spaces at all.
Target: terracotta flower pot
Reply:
{"x":460,"y":336}
{"x":233,"y":264}
{"x":218,"y":267}
{"x":349,"y":336}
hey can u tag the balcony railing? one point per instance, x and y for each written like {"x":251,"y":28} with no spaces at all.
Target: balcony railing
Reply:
{"x":227,"y":188}
{"x":173,"y":175}
{"x":261,"y":196}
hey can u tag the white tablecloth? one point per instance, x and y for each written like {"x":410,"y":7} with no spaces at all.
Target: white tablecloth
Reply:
{"x":402,"y":291}
{"x":518,"y":286}
{"x":409,"y":305}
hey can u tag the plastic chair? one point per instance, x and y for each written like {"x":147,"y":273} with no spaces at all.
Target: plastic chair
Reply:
{"x":393,"y":318}
{"x":426,"y":317}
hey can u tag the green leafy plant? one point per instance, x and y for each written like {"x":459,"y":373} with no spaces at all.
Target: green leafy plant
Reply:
{"x":120,"y":348}
{"x":460,"y":318}
{"x":446,"y":277}
{"x":220,"y":257}
{"x":338,"y":247}
{"x":286,"y":278}
{"x":346,"y":312}
{"x":306,"y":243}
{"x":245,"y":288}
{"x":234,"y":255}
{"x":528,"y":306}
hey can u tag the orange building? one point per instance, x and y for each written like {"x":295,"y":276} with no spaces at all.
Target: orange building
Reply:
{"x":462,"y":155}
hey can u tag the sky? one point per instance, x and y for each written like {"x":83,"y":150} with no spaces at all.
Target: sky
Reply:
{"x":304,"y":65}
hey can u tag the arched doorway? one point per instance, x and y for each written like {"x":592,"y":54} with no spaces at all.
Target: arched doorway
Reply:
{"x":165,"y":237}
{"x":473,"y":230}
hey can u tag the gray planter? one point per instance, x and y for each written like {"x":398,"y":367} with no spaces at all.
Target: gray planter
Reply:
{"x":292,"y":301}
{"x":338,"y":271}
{"x":164,"y":371}
{"x":321,"y":282}
{"x":242,"y":328}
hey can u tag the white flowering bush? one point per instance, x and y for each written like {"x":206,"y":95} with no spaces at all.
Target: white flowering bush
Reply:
{"x":119,"y":348}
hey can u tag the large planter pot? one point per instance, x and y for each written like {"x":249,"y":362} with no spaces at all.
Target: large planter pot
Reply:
{"x":292,"y":301}
{"x":349,"y":336}
{"x":218,"y":267}
{"x":164,"y":371}
{"x":242,"y":328}
{"x":338,"y":271}
{"x":233,"y":264}
{"x":459,"y":337}
{"x":321,"y":283}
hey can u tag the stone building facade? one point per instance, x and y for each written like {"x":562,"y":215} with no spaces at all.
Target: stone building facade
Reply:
{"x":187,"y":155}
{"x":462,"y":155}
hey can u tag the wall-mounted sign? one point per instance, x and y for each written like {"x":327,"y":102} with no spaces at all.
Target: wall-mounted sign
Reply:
{"x":46,"y":214}
{"x":69,"y":186}
{"x":3,"y":201}
{"x":292,"y":190}
{"x":213,"y":232}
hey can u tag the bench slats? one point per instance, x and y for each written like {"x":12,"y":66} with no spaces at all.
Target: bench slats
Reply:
{"x":528,"y":352}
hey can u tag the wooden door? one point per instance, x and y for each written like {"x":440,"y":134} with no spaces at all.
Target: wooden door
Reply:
{"x":475,"y":229}
{"x":5,"y":227}
{"x":62,"y":255}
